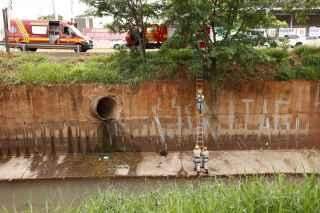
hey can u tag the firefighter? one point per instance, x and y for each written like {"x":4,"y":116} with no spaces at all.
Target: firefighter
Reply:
{"x":200,"y":101}
{"x":197,"y":158}
{"x":205,"y":159}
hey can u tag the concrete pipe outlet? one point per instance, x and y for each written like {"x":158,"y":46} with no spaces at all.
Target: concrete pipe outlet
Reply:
{"x":103,"y":108}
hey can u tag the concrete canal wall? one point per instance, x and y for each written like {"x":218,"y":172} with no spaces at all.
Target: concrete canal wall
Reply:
{"x":67,"y":118}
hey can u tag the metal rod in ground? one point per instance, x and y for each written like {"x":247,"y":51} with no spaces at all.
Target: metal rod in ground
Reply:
{"x":6,"y":28}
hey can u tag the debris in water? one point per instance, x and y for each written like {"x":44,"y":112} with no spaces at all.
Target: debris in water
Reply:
{"x":104,"y":157}
{"x":122,"y":170}
{"x":164,"y":153}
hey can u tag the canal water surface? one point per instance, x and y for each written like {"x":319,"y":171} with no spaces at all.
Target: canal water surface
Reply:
{"x":58,"y":195}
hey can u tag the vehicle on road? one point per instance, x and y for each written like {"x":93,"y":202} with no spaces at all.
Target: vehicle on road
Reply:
{"x":118,"y":43}
{"x":31,"y":35}
{"x":155,"y":36}
{"x":296,"y":40}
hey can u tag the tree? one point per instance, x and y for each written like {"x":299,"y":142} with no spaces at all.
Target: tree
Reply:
{"x":131,"y":16}
{"x":230,"y":20}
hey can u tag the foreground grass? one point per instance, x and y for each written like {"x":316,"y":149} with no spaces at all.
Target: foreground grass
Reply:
{"x":258,"y":195}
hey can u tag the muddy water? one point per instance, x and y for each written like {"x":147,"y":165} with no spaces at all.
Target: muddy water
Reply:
{"x":56,"y":196}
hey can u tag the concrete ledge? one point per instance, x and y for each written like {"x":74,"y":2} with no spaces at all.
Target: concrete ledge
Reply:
{"x":176,"y":164}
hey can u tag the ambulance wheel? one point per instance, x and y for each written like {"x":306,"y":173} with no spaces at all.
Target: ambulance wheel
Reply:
{"x":31,"y":49}
{"x":80,"y":48}
{"x":27,"y":49}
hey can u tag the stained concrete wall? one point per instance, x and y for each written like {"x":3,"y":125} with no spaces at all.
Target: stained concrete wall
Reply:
{"x":254,"y":115}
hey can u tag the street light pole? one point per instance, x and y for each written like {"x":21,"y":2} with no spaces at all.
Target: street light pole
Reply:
{"x":6,"y":28}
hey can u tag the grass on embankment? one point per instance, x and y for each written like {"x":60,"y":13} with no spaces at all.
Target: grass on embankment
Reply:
{"x":258,"y":195}
{"x":121,"y":67}
{"x":233,"y":64}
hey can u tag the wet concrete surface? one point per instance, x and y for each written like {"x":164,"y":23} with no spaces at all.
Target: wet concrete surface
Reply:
{"x":147,"y":164}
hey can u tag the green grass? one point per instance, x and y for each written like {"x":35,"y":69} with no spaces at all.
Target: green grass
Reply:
{"x":257,"y":195}
{"x":278,"y":194}
{"x":233,"y":64}
{"x":121,"y":67}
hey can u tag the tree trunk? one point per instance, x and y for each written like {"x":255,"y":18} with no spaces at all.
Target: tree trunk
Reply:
{"x":142,"y":35}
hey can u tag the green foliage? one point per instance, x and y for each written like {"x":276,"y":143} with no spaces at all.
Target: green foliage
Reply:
{"x":231,"y":21}
{"x":307,"y":65}
{"x":122,"y":67}
{"x":247,"y":195}
{"x":277,"y":55}
{"x":311,"y":60}
{"x":242,"y":55}
{"x":42,"y":73}
{"x":303,"y":51}
{"x":233,"y":63}
{"x":129,"y":16}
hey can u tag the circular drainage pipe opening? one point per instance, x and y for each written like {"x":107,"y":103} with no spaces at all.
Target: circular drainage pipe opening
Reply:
{"x":104,"y":108}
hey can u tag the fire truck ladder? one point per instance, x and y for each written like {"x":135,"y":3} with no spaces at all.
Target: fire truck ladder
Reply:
{"x":23,"y":31}
{"x":200,"y":127}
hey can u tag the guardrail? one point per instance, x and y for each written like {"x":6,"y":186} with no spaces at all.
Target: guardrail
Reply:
{"x":25,"y":47}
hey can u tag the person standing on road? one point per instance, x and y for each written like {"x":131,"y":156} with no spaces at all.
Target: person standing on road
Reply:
{"x":200,"y":101}
{"x":205,"y":159}
{"x":197,"y":158}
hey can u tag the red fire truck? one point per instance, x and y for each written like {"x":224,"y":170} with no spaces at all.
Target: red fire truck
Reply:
{"x":155,"y":36}
{"x":31,"y":35}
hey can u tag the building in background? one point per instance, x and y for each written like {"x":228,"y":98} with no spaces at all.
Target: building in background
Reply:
{"x":104,"y":38}
{"x":84,"y":23}
{"x":94,"y":28}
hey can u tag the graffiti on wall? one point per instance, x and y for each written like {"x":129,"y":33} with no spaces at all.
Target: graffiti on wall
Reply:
{"x":273,"y":118}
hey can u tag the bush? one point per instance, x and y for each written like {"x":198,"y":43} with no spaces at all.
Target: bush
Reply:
{"x":121,"y":67}
{"x":302,"y":51}
{"x":231,"y":63}
{"x":311,"y":60}
{"x":277,"y":55}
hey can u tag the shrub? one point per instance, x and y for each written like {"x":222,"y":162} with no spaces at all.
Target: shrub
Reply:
{"x":306,"y":50}
{"x":311,"y":60}
{"x":277,"y":55}
{"x":233,"y":62}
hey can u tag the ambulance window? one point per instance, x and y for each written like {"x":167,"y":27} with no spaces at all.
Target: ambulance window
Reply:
{"x":39,"y":30}
{"x":13,"y":29}
{"x":67,"y":31}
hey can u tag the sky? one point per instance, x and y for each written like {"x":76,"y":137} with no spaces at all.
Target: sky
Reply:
{"x":32,"y":9}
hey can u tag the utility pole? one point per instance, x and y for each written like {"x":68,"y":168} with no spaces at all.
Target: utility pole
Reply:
{"x":54,"y":10}
{"x":6,"y":28}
